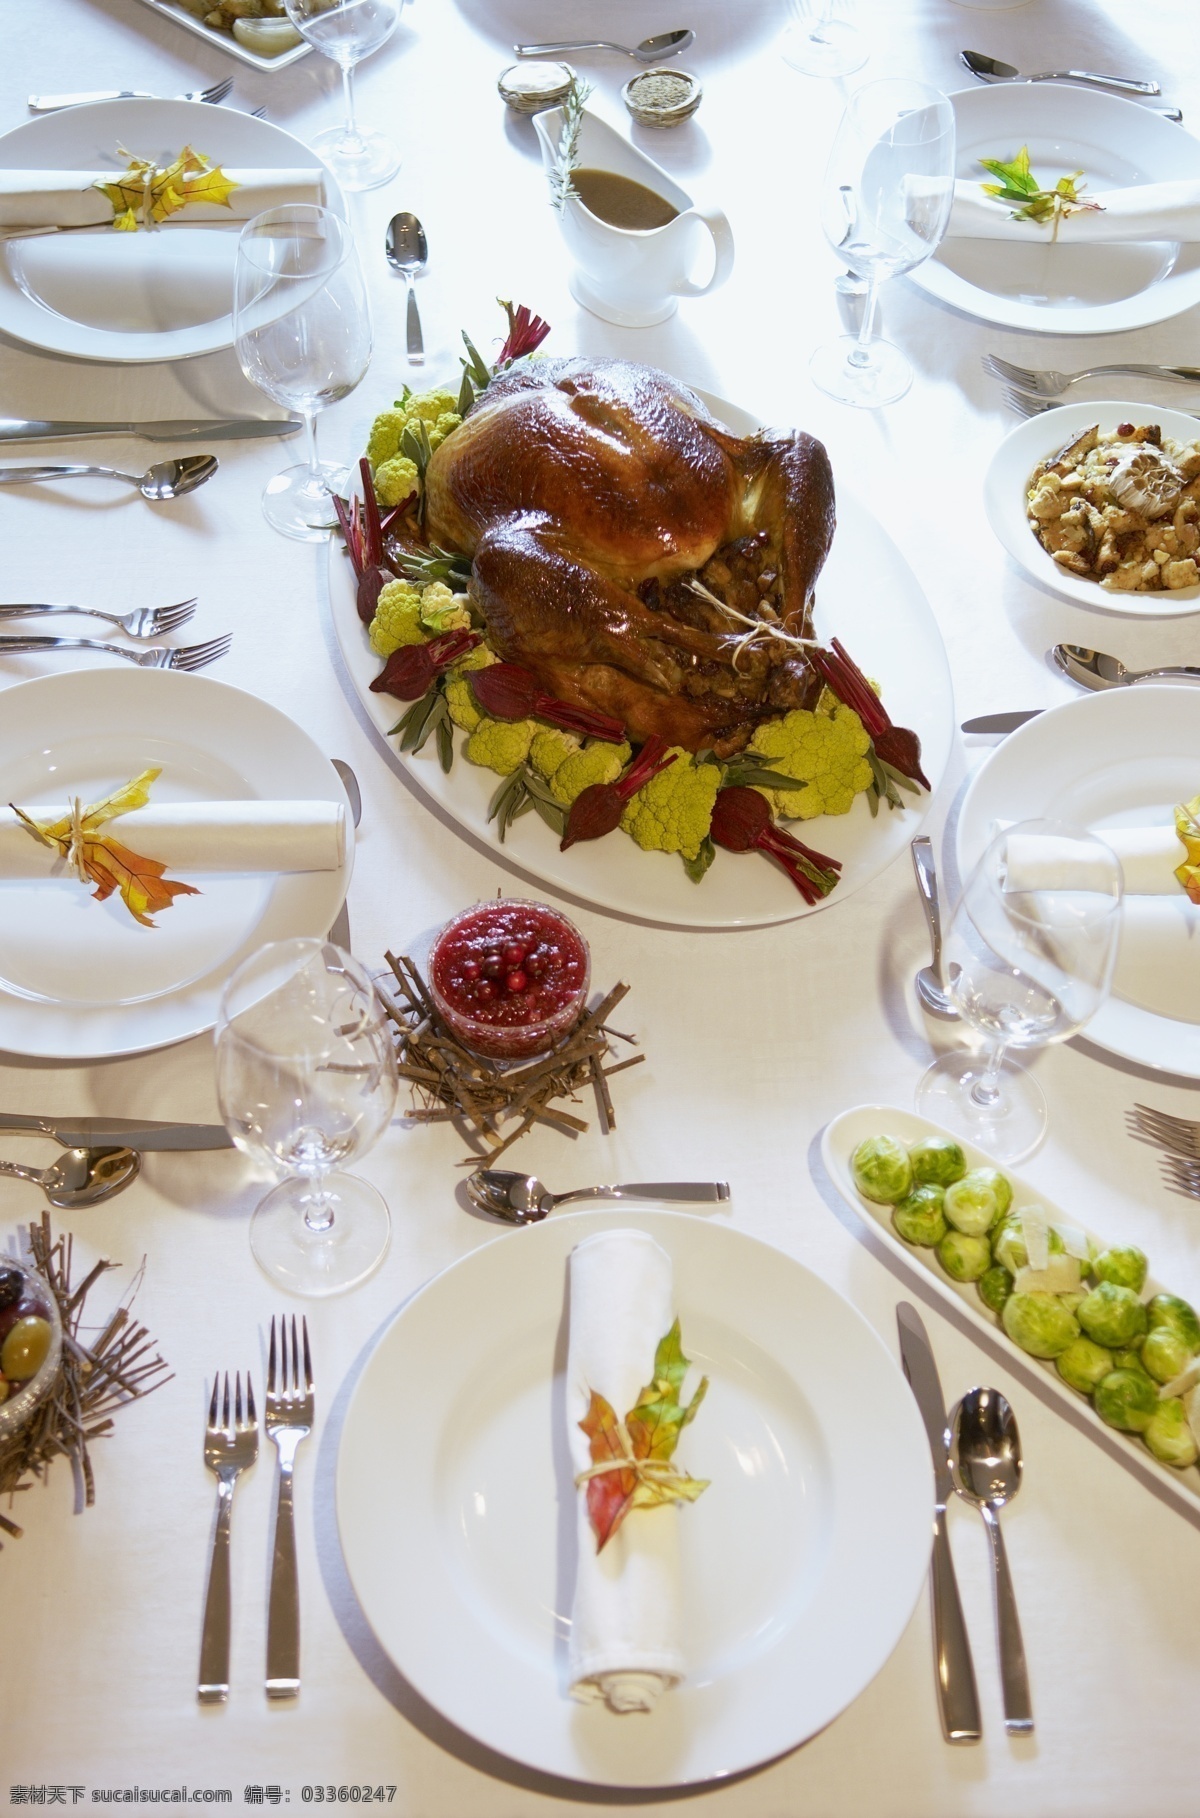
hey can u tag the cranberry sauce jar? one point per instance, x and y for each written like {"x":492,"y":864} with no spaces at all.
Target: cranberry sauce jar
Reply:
{"x":510,"y":978}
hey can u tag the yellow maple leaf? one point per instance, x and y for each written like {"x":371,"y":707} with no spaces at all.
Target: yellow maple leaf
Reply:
{"x":1187,"y":827}
{"x":146,"y":192}
{"x":210,"y":185}
{"x":144,"y":887}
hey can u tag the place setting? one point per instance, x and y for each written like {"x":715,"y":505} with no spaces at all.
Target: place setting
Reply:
{"x":597,"y":1313}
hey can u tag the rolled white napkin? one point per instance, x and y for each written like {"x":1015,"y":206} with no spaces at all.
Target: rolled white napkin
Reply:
{"x":1148,"y":211}
{"x":1048,"y":861}
{"x":191,"y":837}
{"x":625,"y":1620}
{"x":69,"y":198}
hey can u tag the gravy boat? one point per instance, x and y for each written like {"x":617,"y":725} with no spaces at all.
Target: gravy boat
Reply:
{"x":629,"y":275}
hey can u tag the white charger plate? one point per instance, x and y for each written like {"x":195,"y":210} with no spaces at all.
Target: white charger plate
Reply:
{"x":1006,"y":483}
{"x":1121,"y":758}
{"x":81,"y":979}
{"x":868,"y":597}
{"x":1067,"y":290}
{"x":86,"y":138}
{"x":225,"y":40}
{"x":456,"y":1506}
{"x":838,"y":1144}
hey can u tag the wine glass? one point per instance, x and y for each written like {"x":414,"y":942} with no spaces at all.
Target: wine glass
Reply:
{"x":817,"y":44}
{"x":347,"y":31}
{"x":1028,"y":960}
{"x":302,"y":334}
{"x":306,"y":1081}
{"x":888,"y":189}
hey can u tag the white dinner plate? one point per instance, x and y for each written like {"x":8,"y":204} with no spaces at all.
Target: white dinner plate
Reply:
{"x":1067,"y":290}
{"x":225,"y":40}
{"x":456,"y":1504}
{"x":37,"y":296}
{"x":1123,"y":758}
{"x":1006,"y":484}
{"x":869,"y":598}
{"x":838,"y":1144}
{"x":81,"y":979}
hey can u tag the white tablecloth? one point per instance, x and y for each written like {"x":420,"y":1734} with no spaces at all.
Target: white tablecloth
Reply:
{"x":754,"y":1040}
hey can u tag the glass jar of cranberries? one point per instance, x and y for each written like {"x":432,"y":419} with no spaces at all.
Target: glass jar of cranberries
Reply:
{"x":510,"y":977}
{"x":30,"y":1343}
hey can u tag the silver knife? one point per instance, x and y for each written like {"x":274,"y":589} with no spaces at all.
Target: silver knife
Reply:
{"x":958,"y":1699}
{"x":1001,"y":722}
{"x":126,"y":1132}
{"x":32,"y":429}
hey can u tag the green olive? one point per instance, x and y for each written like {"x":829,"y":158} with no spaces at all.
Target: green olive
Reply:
{"x":25,"y":1349}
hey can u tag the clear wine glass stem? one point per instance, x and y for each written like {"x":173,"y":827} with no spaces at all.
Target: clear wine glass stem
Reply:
{"x":986,"y":1090}
{"x":318,"y":1213}
{"x":352,"y":133}
{"x":310,"y":442}
{"x":860,"y":355}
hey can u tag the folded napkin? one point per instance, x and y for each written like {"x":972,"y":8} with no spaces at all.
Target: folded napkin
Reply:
{"x":190,"y":837}
{"x":1050,"y":861}
{"x":1149,"y":211}
{"x":625,"y":1621}
{"x":69,"y":198}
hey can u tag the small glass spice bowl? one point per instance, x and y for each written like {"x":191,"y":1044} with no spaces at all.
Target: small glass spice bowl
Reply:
{"x":30,"y":1343}
{"x":662,"y":96}
{"x":510,"y":978}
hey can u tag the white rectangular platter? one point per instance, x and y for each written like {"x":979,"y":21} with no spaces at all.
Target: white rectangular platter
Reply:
{"x":838,"y":1143}
{"x":225,"y":40}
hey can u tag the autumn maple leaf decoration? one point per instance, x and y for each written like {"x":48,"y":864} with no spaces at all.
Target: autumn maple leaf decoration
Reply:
{"x":631,"y":1459}
{"x":147,"y":194}
{"x":99,"y":859}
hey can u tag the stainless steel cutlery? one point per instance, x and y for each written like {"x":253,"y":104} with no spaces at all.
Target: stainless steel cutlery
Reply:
{"x":142,"y":622}
{"x":122,"y":1132}
{"x":1002,"y":723}
{"x":521,"y":1199}
{"x":1095,"y":669}
{"x":184,"y":429}
{"x":930,"y":986}
{"x":164,"y":480}
{"x":289,"y":1422}
{"x":1178,"y":1138}
{"x":80,"y":1177}
{"x":990,"y":69}
{"x":1046,"y":383}
{"x":158,"y":656}
{"x":230,"y":1447}
{"x":51,"y":104}
{"x":958,"y":1700}
{"x":986,"y":1465}
{"x":339,"y":933}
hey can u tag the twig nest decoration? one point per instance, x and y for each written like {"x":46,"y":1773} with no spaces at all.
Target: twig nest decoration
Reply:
{"x":662,"y":97}
{"x":529,"y":87}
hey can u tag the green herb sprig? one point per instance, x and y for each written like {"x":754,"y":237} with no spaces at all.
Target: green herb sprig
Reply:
{"x":562,"y":186}
{"x":1021,"y":192}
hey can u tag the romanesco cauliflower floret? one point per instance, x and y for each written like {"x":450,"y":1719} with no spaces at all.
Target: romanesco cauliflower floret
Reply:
{"x":384,"y":439}
{"x":397,"y":618}
{"x":552,"y":747}
{"x":444,"y":426}
{"x":673,"y":811}
{"x":430,"y":405}
{"x":479,"y":658}
{"x":443,"y":610}
{"x":395,"y":480}
{"x":825,"y":751}
{"x":465,"y":710}
{"x":501,"y":745}
{"x":598,"y":762}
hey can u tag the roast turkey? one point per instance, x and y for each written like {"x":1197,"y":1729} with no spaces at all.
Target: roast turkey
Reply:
{"x":625,"y":547}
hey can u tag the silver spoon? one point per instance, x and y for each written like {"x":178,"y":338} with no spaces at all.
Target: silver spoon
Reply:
{"x":650,"y":50}
{"x":165,"y":480}
{"x":1095,"y":669}
{"x":930,"y":989}
{"x":81,"y":1177}
{"x":521,"y":1199}
{"x":985,"y":1463}
{"x":408,"y":252}
{"x":339,"y":934}
{"x":990,"y":69}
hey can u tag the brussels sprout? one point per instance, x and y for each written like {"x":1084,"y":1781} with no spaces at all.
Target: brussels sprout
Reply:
{"x":999,"y":1183}
{"x":1084,"y":1364}
{"x":1127,"y":1267}
{"x":1008,"y":1243}
{"x":971,"y":1203}
{"x":995,"y":1286}
{"x":964,"y":1257}
{"x":937,"y":1161}
{"x":918,"y":1218}
{"x":1127,"y":1399}
{"x":1039,"y":1323}
{"x":1129,"y":1360}
{"x":1169,"y":1310}
{"x":1169,"y":1436}
{"x":1074,"y":1299}
{"x":1164,"y":1353}
{"x":1112,"y":1315}
{"x":882,"y":1170}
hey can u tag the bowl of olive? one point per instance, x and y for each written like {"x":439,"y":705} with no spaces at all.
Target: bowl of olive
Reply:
{"x":30,"y":1343}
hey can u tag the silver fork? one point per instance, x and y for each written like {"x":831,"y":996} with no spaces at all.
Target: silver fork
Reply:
{"x":142,"y":622}
{"x":1027,"y":406}
{"x":1045,"y":384}
{"x":52,"y":104}
{"x":1179,"y":1134}
{"x":1182,"y":1176}
{"x":159,"y":656}
{"x":229,"y":1447}
{"x":289,"y":1422}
